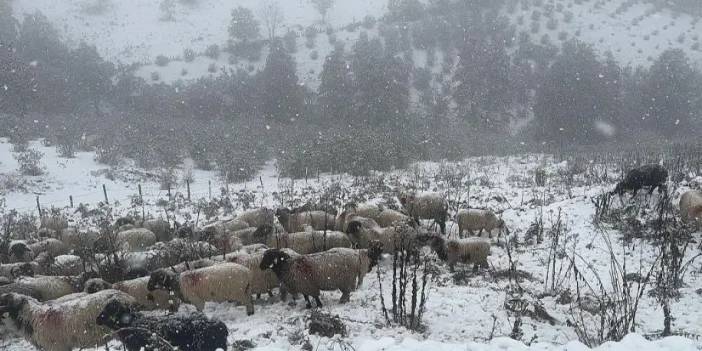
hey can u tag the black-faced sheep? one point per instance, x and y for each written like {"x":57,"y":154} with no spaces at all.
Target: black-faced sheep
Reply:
{"x":652,"y":176}
{"x":298,"y":222}
{"x":426,"y":206}
{"x":45,"y":288}
{"x":219,"y":283}
{"x":138,"y":289}
{"x":391,"y":238}
{"x":96,"y":284}
{"x":310,"y":274}
{"x":14,"y":270}
{"x":369,"y":211}
{"x":474,"y":220}
{"x":60,"y":325}
{"x":20,"y":252}
{"x":187,"y":332}
{"x":691,"y":206}
{"x":471,"y":250}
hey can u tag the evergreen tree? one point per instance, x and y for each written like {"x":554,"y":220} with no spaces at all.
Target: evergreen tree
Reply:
{"x":243,"y":26}
{"x":91,"y":76}
{"x":283,"y":98}
{"x":336,"y":88}
{"x":17,"y":82}
{"x":574,"y":102}
{"x":668,"y":93}
{"x":8,"y":24}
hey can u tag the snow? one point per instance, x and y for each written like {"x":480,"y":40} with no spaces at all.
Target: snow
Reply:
{"x":460,"y":313}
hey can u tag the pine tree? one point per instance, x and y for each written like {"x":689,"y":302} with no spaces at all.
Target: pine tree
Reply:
{"x":668,"y":93}
{"x":91,"y":76}
{"x":574,"y":101}
{"x":283,"y":97}
{"x":336,"y":88}
{"x":243,"y":26}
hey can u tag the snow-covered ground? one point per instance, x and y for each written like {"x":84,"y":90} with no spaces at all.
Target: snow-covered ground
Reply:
{"x":463,"y":307}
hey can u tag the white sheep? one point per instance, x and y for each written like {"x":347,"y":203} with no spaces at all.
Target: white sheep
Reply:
{"x":474,"y":220}
{"x":14,"y":270}
{"x":309,"y":242}
{"x":79,"y":240}
{"x":261,"y":281}
{"x":233,"y":225}
{"x":54,"y":247}
{"x":426,"y":206}
{"x":257,"y":217}
{"x":219,"y":283}
{"x":145,"y":299}
{"x":55,"y":223}
{"x":691,"y":206}
{"x":471,"y":250}
{"x":310,"y":274}
{"x":365,"y":210}
{"x":389,"y":218}
{"x":136,"y":239}
{"x":45,"y":288}
{"x":391,"y":238}
{"x":297,"y":222}
{"x":62,"y":325}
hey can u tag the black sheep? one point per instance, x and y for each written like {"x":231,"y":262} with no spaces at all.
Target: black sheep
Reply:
{"x":187,"y":332}
{"x":651,"y":175}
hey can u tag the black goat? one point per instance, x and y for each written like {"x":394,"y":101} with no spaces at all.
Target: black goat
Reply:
{"x":652,"y":176}
{"x":187,"y":332}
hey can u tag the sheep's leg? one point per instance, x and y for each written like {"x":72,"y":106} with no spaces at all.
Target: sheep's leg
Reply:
{"x":307,"y":299}
{"x":472,"y":233}
{"x":270,"y":294}
{"x":249,"y":306}
{"x":318,"y":301}
{"x":258,"y":296}
{"x":480,"y":232}
{"x":442,"y":226}
{"x":345,"y":296}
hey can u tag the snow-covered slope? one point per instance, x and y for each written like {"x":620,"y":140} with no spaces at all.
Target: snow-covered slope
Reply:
{"x":131,"y":31}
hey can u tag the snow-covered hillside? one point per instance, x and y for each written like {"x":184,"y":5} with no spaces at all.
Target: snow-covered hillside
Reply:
{"x":130,"y":31}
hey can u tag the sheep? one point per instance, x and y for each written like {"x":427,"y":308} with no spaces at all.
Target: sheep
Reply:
{"x":474,"y":219}
{"x":691,"y":206}
{"x":19,"y":252}
{"x":53,"y":246}
{"x":145,"y":299}
{"x":60,"y":325}
{"x":651,"y":175}
{"x":79,"y":240}
{"x":258,"y":217}
{"x":47,"y":233}
{"x":297,"y":222}
{"x":261,"y":281}
{"x":96,"y":284}
{"x":391,"y":238}
{"x":365,"y":211}
{"x":426,"y":206}
{"x":187,"y":332}
{"x":191,"y":265}
{"x":389,"y":218}
{"x":136,"y":239}
{"x":160,"y":227}
{"x":54,"y":223}
{"x":309,"y":242}
{"x":471,"y":250}
{"x":14,"y":270}
{"x":44,"y":288}
{"x":310,"y":274}
{"x":235,"y":225}
{"x":218,"y":283}
{"x":61,"y":265}
{"x":250,"y":236}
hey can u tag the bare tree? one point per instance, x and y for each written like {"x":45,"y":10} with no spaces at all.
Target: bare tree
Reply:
{"x":322,"y":7}
{"x":272,"y":17}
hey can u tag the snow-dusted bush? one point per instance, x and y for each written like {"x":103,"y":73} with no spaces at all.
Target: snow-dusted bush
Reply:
{"x":95,"y":7}
{"x":213,"y":51}
{"x":29,"y":162}
{"x":188,"y":55}
{"x":162,"y":61}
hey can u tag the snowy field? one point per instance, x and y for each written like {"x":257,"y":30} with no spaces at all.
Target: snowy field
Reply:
{"x":464,"y":307}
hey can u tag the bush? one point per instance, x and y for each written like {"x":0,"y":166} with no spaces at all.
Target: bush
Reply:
{"x":290,"y":42}
{"x":369,"y":22}
{"x":212,"y":68}
{"x":95,"y":7}
{"x":188,"y":55}
{"x":250,"y":50}
{"x":162,"y":61}
{"x":314,"y":55}
{"x":213,"y":51}
{"x":155,"y":76}
{"x":29,"y":162}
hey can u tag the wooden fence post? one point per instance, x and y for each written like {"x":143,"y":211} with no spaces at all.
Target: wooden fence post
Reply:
{"x":39,"y":207}
{"x":70,"y":198}
{"x":187,"y":183}
{"x":141,"y":200}
{"x":104,"y":191}
{"x":209,"y":185}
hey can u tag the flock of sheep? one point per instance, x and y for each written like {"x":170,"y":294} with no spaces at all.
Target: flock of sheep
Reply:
{"x":55,"y":297}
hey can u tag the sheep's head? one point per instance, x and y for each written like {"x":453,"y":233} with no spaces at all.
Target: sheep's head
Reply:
{"x":23,"y":270}
{"x":20,"y":250}
{"x":123,"y":221}
{"x":115,"y":315}
{"x":163,"y":279}
{"x":263,"y":232}
{"x":354,"y":227}
{"x":274,"y":259}
{"x":96,"y":284}
{"x":621,"y":188}
{"x":12,"y":304}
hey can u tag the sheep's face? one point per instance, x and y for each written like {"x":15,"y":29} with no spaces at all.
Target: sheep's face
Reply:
{"x":20,"y":249}
{"x":11,"y":304}
{"x":94,"y":285}
{"x":162,"y":280}
{"x":282,"y":214}
{"x":273,"y":259}
{"x":23,"y":270}
{"x":354,"y":228}
{"x":115,"y":315}
{"x":263,"y":232}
